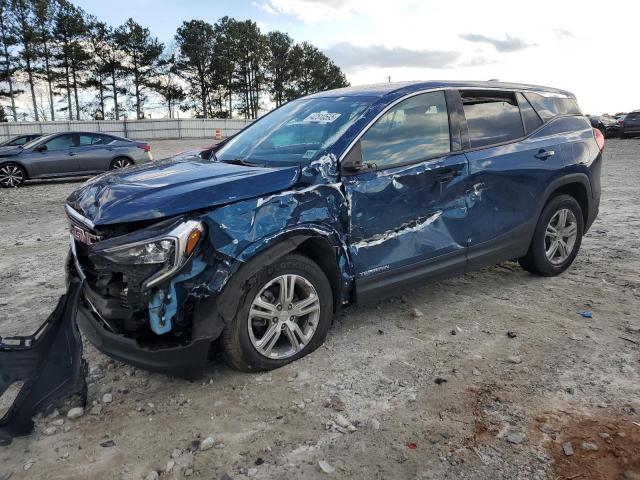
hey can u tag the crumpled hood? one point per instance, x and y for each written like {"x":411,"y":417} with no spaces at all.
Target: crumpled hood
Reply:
{"x":10,"y":151}
{"x":173,"y":187}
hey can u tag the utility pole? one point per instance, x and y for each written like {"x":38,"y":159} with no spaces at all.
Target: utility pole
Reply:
{"x":389,"y":79}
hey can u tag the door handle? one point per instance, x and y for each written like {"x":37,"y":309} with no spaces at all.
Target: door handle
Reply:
{"x":544,"y":154}
{"x":447,"y":174}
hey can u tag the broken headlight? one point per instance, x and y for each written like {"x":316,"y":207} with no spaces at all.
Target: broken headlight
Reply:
{"x":153,"y":252}
{"x":171,"y":250}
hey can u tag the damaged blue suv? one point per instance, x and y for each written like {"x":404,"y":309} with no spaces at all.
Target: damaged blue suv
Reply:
{"x":329,"y":200}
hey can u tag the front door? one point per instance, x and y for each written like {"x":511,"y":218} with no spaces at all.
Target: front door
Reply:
{"x":408,"y":211}
{"x":54,"y":157}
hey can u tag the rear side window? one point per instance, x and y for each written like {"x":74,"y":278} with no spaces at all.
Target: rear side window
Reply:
{"x":633,"y":116}
{"x":529,"y":116}
{"x":549,"y":107}
{"x":415,"y":129}
{"x":492,"y":117}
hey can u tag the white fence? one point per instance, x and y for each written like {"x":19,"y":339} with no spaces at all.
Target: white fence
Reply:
{"x":133,"y":129}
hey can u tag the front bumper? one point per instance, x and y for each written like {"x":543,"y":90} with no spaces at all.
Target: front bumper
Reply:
{"x":185,"y":361}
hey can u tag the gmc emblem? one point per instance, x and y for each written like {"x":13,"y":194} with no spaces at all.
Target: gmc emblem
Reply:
{"x":83,"y":236}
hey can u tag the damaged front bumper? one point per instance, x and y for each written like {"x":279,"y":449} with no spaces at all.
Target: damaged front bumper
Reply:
{"x":186,"y":361}
{"x":166,"y":327}
{"x":39,"y":371}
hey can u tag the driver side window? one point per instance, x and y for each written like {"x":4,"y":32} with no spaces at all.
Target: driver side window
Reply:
{"x":61,"y":142}
{"x":416,"y":129}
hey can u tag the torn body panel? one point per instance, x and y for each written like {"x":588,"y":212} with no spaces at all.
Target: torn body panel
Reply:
{"x":408,"y":216}
{"x":42,"y":369}
{"x":191,"y":308}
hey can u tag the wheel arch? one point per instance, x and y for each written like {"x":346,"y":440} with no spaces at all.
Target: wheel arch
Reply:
{"x":5,"y":160}
{"x":576,"y":185}
{"x":320,"y":246}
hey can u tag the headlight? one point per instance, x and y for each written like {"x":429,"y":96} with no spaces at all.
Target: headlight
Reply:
{"x":171,"y":250}
{"x":153,"y":252}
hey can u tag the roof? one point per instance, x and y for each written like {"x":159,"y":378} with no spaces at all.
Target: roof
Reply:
{"x":382,"y":89}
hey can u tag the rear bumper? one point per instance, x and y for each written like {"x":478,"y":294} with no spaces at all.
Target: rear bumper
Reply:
{"x":594,"y":208}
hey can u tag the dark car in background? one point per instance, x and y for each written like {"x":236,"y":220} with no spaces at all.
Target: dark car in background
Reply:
{"x":329,"y":200}
{"x":19,"y":140}
{"x":630,"y":125}
{"x":69,"y":154}
{"x":607,"y":125}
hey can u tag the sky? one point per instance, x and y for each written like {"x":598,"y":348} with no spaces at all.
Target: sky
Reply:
{"x":587,"y":47}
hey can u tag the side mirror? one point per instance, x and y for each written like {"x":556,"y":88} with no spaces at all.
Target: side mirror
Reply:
{"x":41,"y":148}
{"x":352,"y":164}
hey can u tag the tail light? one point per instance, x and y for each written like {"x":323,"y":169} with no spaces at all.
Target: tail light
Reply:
{"x":145,"y":146}
{"x":599,"y":138}
{"x":621,"y":123}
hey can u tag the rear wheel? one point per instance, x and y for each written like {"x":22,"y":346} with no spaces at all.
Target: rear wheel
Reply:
{"x":557,"y":237}
{"x":12,"y":175}
{"x":286,"y":315}
{"x":120,"y":162}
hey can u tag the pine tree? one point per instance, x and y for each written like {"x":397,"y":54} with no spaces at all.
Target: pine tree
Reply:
{"x":27,"y":38}
{"x":278,"y":66}
{"x":44,"y":13}
{"x":9,"y":62}
{"x":142,"y":56}
{"x":195,"y":40}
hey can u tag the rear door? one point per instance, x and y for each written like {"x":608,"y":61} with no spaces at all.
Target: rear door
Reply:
{"x":93,"y":152}
{"x":507,"y":173}
{"x":408,"y":211}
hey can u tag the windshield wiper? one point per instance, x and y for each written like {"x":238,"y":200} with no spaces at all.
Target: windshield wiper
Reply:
{"x":239,"y":161}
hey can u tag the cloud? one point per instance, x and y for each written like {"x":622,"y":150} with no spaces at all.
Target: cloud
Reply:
{"x":561,"y":33}
{"x":476,"y":62}
{"x":509,"y":44}
{"x":311,"y":10}
{"x":349,"y":56}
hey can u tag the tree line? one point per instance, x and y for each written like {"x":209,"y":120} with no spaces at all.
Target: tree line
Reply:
{"x":70,"y":65}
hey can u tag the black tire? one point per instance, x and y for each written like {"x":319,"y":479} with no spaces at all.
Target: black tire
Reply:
{"x":622,"y":136}
{"x":120,"y":162}
{"x":12,"y":175}
{"x":536,"y":261}
{"x":236,"y":342}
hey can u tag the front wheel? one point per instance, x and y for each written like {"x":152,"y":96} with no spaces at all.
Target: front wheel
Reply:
{"x":12,"y":175}
{"x":286,"y":315}
{"x":557,"y":237}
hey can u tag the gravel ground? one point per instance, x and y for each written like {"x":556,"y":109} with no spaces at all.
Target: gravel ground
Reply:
{"x":490,"y":375}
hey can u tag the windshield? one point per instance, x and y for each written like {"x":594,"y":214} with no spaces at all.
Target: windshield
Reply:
{"x":35,"y":141}
{"x":295,"y":133}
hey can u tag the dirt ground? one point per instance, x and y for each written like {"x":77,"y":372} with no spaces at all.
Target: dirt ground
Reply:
{"x":425,"y":385}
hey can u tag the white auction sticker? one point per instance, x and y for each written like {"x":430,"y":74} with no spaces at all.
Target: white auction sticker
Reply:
{"x":322,"y":117}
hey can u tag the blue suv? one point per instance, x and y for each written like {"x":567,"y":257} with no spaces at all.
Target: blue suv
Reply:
{"x":329,"y":200}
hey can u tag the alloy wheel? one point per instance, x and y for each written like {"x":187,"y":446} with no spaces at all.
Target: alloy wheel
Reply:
{"x":121,"y":163}
{"x":560,"y":236}
{"x":11,"y":176}
{"x":283,"y":316}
